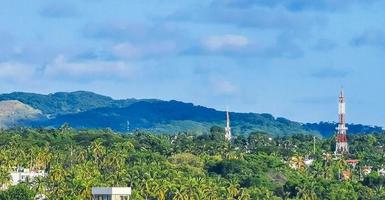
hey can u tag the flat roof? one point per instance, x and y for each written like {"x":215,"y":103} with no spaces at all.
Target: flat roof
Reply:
{"x":111,"y":190}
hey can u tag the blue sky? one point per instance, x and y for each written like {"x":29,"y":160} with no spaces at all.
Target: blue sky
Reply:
{"x":285,"y":57}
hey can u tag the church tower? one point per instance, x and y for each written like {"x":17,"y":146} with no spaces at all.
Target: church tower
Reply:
{"x":227,"y":128}
{"x":341,"y":139}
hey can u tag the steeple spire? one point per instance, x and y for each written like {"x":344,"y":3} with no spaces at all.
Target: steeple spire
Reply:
{"x":228,"y":128}
{"x":342,"y":93}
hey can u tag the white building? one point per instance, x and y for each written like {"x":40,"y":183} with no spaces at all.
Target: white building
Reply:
{"x":381,"y":172}
{"x":111,"y":193}
{"x":308,"y":162}
{"x":25,"y":175}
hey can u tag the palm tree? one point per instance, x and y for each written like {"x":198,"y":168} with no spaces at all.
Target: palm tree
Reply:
{"x":40,"y":186}
{"x":297,"y":162}
{"x":243,"y":195}
{"x":41,"y":158}
{"x":5,"y":178}
{"x":57,"y":174}
{"x":162,"y":189}
{"x":307,"y":191}
{"x":233,"y":189}
{"x":97,"y":150}
{"x":81,"y":155}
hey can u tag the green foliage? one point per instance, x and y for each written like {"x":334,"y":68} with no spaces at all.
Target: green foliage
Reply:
{"x":67,"y":102}
{"x":185,"y":166}
{"x":83,"y":109}
{"x":19,"y":192}
{"x":173,"y":117}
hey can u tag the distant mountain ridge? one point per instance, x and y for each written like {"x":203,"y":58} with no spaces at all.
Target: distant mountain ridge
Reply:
{"x":329,"y":128}
{"x":174,"y":116}
{"x":84,"y":109}
{"x":67,"y":102}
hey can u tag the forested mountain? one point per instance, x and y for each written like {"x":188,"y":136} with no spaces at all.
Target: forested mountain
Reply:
{"x":67,"y":102}
{"x":172,"y":117}
{"x":89,"y":110}
{"x":327,"y":129}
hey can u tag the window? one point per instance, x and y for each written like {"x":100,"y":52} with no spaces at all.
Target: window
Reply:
{"x":123,"y":197}
{"x":102,"y":197}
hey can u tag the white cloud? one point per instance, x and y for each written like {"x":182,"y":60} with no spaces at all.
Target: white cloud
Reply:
{"x":215,"y":43}
{"x":223,"y":87}
{"x":63,"y":69}
{"x":126,"y":50}
{"x":129,"y":50}
{"x":16,"y":72}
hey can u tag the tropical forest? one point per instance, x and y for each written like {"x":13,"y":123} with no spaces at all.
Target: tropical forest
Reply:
{"x":187,"y":166}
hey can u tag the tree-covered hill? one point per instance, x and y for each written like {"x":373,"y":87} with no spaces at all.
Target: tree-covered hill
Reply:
{"x":89,"y":110}
{"x":327,"y":129}
{"x":174,"y":116}
{"x":67,"y":102}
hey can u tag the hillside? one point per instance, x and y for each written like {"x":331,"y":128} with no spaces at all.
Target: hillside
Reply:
{"x":89,"y":110}
{"x":13,"y":112}
{"x":327,"y":129}
{"x":67,"y":102}
{"x":174,"y":116}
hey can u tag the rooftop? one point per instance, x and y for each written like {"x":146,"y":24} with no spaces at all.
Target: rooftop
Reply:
{"x":111,"y":190}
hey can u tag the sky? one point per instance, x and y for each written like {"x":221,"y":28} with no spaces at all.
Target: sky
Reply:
{"x":289,"y":58}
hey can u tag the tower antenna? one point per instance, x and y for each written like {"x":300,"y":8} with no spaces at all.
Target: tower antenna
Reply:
{"x":341,"y":139}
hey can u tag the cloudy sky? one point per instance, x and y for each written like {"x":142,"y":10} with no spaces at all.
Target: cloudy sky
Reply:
{"x":285,"y":57}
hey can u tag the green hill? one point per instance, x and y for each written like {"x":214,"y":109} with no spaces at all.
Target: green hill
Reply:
{"x":67,"y":102}
{"x":89,"y":110}
{"x":174,"y":116}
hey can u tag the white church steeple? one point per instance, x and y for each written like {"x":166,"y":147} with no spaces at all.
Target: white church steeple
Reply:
{"x":228,"y":128}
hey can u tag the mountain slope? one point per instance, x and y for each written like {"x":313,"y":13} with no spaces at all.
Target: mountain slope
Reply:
{"x":174,"y":116}
{"x":66,"y":102}
{"x":327,"y":129}
{"x":13,"y":112}
{"x":89,"y":110}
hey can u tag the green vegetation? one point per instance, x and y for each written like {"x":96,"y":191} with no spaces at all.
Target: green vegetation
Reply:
{"x":172,"y":117}
{"x":19,"y":192}
{"x":67,"y":102}
{"x":89,"y":110}
{"x":188,"y":166}
{"x":60,"y":103}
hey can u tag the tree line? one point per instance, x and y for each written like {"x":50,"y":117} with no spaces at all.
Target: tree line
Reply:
{"x":188,"y":166}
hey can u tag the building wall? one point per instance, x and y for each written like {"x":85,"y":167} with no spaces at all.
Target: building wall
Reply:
{"x":110,"y":197}
{"x":18,"y":177}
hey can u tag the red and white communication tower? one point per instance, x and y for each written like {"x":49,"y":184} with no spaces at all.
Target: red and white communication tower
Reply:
{"x":341,"y":139}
